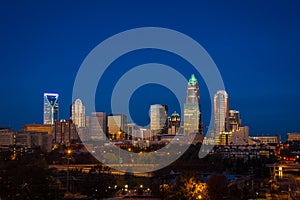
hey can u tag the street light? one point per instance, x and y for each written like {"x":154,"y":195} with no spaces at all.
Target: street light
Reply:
{"x":68,"y":171}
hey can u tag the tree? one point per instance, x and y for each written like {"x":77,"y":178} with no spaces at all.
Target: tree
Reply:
{"x":188,"y":188}
{"x":217,"y":186}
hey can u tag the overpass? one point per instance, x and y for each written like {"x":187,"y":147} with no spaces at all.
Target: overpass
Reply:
{"x":124,"y":167}
{"x":284,"y":167}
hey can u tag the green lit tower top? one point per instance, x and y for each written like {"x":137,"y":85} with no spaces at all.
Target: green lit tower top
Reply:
{"x":192,"y":114}
{"x":193,"y":91}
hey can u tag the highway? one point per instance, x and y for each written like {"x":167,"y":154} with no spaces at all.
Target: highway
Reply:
{"x":87,"y":167}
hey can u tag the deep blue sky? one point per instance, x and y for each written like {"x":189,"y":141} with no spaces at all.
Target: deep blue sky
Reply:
{"x":255,"y":45}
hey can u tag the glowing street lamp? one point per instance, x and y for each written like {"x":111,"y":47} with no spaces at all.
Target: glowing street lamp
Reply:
{"x":68,"y":170}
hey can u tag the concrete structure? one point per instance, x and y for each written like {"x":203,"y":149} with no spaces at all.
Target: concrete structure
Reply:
{"x":274,"y":139}
{"x":293,"y":137}
{"x":33,"y":140}
{"x":26,"y":139}
{"x":6,"y":137}
{"x":38,"y":128}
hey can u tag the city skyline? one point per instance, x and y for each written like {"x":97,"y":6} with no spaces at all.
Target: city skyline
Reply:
{"x":254,"y":45}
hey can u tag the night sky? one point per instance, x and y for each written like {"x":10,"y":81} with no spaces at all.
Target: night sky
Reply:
{"x":255,"y":44}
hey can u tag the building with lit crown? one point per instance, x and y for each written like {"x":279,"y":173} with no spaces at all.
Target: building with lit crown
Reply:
{"x":51,"y":109}
{"x":78,"y":113}
{"x":173,"y":123}
{"x":234,"y":120}
{"x":192,"y":115}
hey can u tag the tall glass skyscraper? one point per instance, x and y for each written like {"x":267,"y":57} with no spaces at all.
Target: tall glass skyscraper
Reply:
{"x":78,"y":113}
{"x":51,"y":110}
{"x":192,"y":114}
{"x":221,"y":112}
{"x":97,"y":125}
{"x":158,"y":118}
{"x":116,"y":124}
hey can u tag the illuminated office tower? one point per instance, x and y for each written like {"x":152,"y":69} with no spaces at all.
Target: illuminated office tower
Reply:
{"x":116,"y":124}
{"x":173,"y":123}
{"x":158,"y":118}
{"x":221,"y":112}
{"x":192,"y":114}
{"x":64,"y":132}
{"x":78,"y":113}
{"x":50,"y":108}
{"x":235,"y":121}
{"x":97,"y":125}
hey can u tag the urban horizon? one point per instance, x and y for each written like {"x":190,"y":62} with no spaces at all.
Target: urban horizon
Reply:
{"x":162,"y":100}
{"x":169,"y":113}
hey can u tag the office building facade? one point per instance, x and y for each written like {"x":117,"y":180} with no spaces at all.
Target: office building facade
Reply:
{"x":97,"y":126}
{"x":158,"y":118}
{"x":78,"y":113}
{"x":51,"y":108}
{"x":174,"y":123}
{"x":192,"y":114}
{"x":116,"y":124}
{"x":221,"y":112}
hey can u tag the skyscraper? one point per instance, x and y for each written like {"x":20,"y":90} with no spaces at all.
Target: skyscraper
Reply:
{"x":221,"y":112}
{"x":97,"y":125}
{"x":234,"y":119}
{"x":158,"y":118}
{"x":78,"y":113}
{"x":64,"y":132}
{"x":173,"y":123}
{"x":192,"y":114}
{"x":116,"y":124}
{"x":50,"y":108}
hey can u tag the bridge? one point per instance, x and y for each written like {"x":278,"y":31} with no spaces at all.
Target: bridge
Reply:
{"x":285,"y":167}
{"x":123,"y":168}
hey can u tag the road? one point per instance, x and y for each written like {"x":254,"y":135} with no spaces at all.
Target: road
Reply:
{"x":289,"y":186}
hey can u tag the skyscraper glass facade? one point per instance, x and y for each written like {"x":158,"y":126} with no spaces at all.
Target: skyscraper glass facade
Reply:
{"x":221,"y":111}
{"x":78,"y":113}
{"x":192,"y":113}
{"x":158,"y":117}
{"x":51,"y":109}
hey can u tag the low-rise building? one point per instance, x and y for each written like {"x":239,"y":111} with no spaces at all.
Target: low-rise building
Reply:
{"x":293,"y":137}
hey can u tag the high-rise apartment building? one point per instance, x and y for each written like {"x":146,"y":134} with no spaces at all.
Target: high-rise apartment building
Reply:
{"x":78,"y":113}
{"x":158,"y":118}
{"x":192,"y":114}
{"x":51,"y":111}
{"x":221,"y":112}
